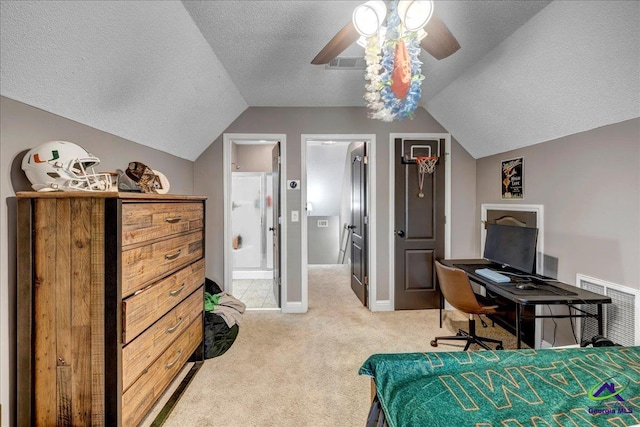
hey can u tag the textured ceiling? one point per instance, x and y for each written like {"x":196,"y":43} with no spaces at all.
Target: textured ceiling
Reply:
{"x":574,"y":66}
{"x":267,"y":46}
{"x":174,"y":75}
{"x":140,"y":70}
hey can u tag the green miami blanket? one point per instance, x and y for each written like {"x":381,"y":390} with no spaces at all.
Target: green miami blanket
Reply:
{"x":509,"y":388}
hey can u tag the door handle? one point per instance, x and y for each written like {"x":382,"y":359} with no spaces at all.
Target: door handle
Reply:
{"x":271,"y":229}
{"x":351,"y":227}
{"x":399,"y":233}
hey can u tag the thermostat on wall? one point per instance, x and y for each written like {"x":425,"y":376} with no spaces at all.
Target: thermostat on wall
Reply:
{"x":293,"y":184}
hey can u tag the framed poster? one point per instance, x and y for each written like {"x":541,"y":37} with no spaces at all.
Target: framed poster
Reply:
{"x":513,"y":178}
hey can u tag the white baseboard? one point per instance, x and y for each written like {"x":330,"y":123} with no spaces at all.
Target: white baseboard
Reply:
{"x":293,"y":307}
{"x":384,"y":305}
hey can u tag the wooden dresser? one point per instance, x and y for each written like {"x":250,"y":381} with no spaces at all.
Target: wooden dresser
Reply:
{"x":110,"y":302}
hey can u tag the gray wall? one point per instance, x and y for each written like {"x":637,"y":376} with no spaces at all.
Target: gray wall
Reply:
{"x":589,"y":186}
{"x":325,"y":177}
{"x":320,"y":120}
{"x":253,"y":158}
{"x":465,"y":235}
{"x":21,"y":128}
{"x":324,"y":245}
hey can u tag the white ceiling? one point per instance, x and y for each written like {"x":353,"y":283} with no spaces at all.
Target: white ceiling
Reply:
{"x":174,"y":75}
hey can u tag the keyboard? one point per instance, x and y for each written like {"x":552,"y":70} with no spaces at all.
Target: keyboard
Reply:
{"x":493,"y":275}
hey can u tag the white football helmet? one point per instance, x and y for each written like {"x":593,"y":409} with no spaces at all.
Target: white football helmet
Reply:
{"x":64,"y":166}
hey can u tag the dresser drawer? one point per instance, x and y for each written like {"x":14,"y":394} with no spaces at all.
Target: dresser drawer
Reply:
{"x":142,"y":222}
{"x":139,"y":398}
{"x":142,"y":265}
{"x":138,"y":354}
{"x":147,"y":305}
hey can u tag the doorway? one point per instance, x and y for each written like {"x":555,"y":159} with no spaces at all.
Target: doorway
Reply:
{"x":253,"y":230}
{"x":313,"y":198}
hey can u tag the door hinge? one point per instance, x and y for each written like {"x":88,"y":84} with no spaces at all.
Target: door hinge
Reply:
{"x":366,"y":160}
{"x":366,"y":220}
{"x":366,"y":280}
{"x":279,"y":160}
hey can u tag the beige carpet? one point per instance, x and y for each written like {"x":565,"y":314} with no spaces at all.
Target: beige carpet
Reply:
{"x":302,"y":369}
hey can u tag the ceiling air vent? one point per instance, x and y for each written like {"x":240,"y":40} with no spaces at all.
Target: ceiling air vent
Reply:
{"x":347,"y":63}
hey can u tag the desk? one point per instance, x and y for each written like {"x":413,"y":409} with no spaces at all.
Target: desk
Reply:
{"x":532,"y":298}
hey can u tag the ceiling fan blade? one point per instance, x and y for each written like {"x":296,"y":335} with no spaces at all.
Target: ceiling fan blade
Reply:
{"x":439,"y":42}
{"x":337,"y":44}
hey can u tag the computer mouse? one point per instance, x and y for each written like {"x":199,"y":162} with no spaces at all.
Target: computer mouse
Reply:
{"x":526,"y":286}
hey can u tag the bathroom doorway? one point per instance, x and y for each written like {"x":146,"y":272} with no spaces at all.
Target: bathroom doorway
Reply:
{"x":252,"y":219}
{"x":252,"y":225}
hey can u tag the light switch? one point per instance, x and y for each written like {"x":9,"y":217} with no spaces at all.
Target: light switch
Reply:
{"x":295,"y":216}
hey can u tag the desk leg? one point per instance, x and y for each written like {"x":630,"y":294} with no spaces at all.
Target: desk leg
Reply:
{"x":518,"y":315}
{"x":600,"y":321}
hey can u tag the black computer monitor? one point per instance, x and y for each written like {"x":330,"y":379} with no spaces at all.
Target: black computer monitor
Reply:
{"x":511,"y":246}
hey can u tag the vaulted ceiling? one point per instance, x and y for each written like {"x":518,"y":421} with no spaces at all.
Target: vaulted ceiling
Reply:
{"x":174,"y":75}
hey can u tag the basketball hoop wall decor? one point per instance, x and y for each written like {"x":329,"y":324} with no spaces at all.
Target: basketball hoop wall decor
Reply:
{"x":426,"y":165}
{"x":425,"y":160}
{"x":512,"y":172}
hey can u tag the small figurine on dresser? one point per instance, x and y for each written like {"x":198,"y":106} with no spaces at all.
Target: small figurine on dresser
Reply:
{"x":65,"y":166}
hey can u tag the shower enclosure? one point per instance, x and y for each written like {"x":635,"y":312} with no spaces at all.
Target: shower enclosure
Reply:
{"x":251,"y":220}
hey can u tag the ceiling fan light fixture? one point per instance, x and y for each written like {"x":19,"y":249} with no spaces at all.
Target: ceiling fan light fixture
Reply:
{"x":369,"y":16}
{"x":415,"y":13}
{"x":382,"y":31}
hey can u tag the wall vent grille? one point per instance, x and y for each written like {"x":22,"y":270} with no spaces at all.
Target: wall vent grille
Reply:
{"x":621,"y":317}
{"x":347,"y":63}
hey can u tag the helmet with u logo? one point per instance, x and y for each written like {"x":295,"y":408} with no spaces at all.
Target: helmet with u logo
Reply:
{"x":64,"y":166}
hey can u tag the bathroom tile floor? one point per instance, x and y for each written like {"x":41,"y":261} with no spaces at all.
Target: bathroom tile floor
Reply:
{"x":255,"y":293}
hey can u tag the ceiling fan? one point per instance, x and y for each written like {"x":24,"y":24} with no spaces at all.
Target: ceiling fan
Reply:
{"x":439,"y":42}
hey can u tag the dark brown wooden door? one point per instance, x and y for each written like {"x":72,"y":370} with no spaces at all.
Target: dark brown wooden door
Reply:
{"x":275,"y":229}
{"x":419,"y":225}
{"x":359,"y":223}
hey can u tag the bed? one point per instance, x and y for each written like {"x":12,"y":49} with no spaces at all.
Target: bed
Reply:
{"x":551,"y":387}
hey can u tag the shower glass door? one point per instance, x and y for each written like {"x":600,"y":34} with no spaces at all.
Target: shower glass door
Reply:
{"x":248,"y":220}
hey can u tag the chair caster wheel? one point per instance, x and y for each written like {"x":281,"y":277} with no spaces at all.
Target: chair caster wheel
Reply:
{"x":434,"y":343}
{"x":499,"y":347}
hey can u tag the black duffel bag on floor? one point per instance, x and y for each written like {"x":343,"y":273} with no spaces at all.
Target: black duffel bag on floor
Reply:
{"x":218,"y":336}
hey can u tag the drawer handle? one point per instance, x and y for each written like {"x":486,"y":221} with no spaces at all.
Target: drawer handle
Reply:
{"x":174,"y":255}
{"x":176,"y":292}
{"x":172,"y":219}
{"x":174,"y":327}
{"x":138,"y":292}
{"x":170,"y":365}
